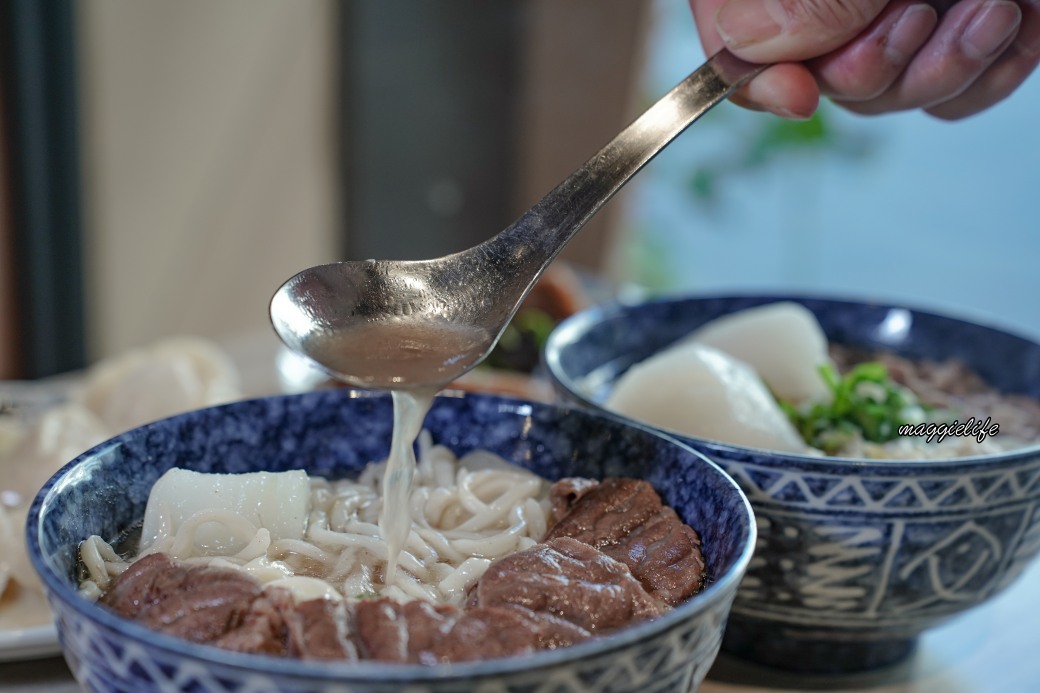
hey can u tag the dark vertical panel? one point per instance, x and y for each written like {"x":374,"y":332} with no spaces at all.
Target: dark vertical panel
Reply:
{"x":429,"y":104}
{"x":10,"y":356}
{"x":38,"y":44}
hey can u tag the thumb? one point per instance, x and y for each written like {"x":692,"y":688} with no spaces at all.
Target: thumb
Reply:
{"x":769,"y":31}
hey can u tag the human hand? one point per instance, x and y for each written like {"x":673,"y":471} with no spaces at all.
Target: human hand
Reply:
{"x":951,"y":58}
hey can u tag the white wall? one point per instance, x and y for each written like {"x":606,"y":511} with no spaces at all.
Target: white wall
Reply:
{"x":208,"y":161}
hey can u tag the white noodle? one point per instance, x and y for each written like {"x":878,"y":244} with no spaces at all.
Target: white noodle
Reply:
{"x":101,"y":561}
{"x":257,"y":547}
{"x":458,"y":582}
{"x":535,"y":517}
{"x":304,"y":549}
{"x":463,"y":516}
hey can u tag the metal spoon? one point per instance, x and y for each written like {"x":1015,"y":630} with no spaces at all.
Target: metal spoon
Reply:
{"x":418,"y":324}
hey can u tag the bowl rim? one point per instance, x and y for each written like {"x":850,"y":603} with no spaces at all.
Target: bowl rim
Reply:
{"x":575,"y":326}
{"x":366,"y":670}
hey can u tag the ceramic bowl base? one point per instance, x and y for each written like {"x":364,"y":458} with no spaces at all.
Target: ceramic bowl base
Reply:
{"x":792,"y":649}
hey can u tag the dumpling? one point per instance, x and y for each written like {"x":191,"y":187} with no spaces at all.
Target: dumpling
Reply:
{"x":782,"y":341}
{"x":170,"y":377}
{"x":700,"y":391}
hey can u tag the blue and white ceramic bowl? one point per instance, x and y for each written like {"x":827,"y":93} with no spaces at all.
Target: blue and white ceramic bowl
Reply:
{"x":855,"y":558}
{"x":334,"y":433}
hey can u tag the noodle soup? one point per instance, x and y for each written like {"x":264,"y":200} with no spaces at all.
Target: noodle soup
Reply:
{"x":461,"y":515}
{"x":498,"y":560}
{"x":334,"y":435}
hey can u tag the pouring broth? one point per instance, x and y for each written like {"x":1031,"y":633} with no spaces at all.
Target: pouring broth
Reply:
{"x":394,"y":356}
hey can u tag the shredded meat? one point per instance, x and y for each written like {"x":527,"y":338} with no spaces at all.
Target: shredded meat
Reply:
{"x":951,"y":384}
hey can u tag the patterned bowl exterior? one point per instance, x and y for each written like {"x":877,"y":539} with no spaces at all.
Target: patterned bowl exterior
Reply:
{"x":334,"y":433}
{"x":855,"y":558}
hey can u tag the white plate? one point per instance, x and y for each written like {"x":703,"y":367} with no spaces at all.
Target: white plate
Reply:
{"x":29,"y":643}
{"x":24,"y":401}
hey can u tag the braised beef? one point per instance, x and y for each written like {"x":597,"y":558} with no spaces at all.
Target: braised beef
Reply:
{"x":227,"y":608}
{"x":261,"y":629}
{"x":607,"y":511}
{"x":565,"y":493}
{"x":196,"y":603}
{"x":320,"y":629}
{"x":664,"y":555}
{"x":570,"y":580}
{"x":486,"y":632}
{"x":626,"y":520}
{"x":417,"y":632}
{"x":393,"y":632}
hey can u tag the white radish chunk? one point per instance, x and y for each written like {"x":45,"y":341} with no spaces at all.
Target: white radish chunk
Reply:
{"x":696,"y":390}
{"x":782,"y":341}
{"x":277,"y":501}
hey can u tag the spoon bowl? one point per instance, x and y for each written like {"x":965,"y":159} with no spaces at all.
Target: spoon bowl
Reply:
{"x":392,"y":324}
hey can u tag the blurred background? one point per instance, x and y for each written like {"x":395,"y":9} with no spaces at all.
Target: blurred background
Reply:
{"x":165,"y":166}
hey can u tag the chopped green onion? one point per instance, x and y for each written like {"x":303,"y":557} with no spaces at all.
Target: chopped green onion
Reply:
{"x":865,"y":403}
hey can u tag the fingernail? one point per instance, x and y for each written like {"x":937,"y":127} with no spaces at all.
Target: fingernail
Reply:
{"x":909,"y":33}
{"x":789,"y":114}
{"x":991,"y":27}
{"x":744,"y":22}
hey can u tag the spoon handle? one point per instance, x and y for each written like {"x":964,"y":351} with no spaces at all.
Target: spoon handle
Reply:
{"x":536,"y":238}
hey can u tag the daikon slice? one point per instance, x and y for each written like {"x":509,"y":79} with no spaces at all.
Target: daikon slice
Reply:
{"x":782,"y":341}
{"x":224,"y":511}
{"x":697,"y":390}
